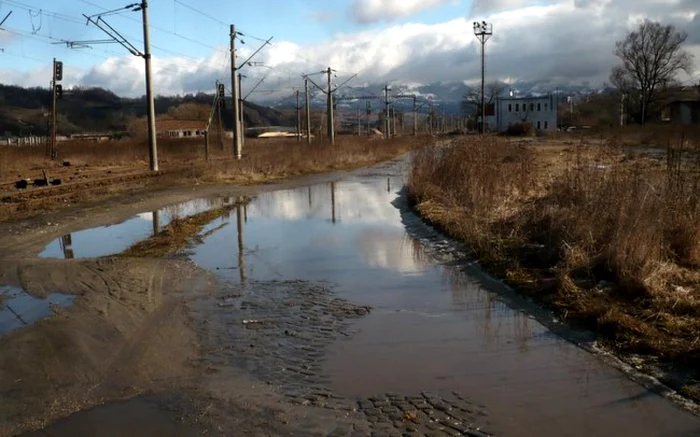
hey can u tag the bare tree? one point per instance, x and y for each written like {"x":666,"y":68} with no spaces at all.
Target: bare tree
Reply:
{"x":651,"y":57}
{"x":471,"y":100}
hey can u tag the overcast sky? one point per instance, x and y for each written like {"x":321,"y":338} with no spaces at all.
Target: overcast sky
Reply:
{"x":555,"y":42}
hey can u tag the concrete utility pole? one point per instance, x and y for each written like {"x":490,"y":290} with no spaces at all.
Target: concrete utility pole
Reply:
{"x":298,"y":108}
{"x":623,"y":98}
{"x":331,"y":118}
{"x":235,"y":93}
{"x":359,"y":121}
{"x":387,"y":126}
{"x":152,"y":141}
{"x":483,"y":32}
{"x":308,"y":111}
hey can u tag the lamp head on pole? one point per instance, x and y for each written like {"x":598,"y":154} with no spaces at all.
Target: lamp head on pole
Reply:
{"x":482,"y":28}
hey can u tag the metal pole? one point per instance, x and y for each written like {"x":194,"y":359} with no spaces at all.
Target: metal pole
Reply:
{"x":330,"y":121}
{"x":152,"y":144}
{"x":359,"y":121}
{"x":298,"y":107}
{"x":483,"y":85}
{"x":53,"y":153}
{"x":308,"y":112}
{"x":235,"y":91}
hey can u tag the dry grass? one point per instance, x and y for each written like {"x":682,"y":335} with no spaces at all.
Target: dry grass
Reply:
{"x":104,"y":170}
{"x":609,"y":241}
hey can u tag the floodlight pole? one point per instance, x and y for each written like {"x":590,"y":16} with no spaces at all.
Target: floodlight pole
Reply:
{"x":483,"y":32}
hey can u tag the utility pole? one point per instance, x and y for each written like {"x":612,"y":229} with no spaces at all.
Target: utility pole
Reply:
{"x":483,"y":32}
{"x":308,"y":112}
{"x":152,"y":145}
{"x":331,"y":119}
{"x":387,"y":134}
{"x":235,"y":93}
{"x":115,"y":36}
{"x":359,"y":121}
{"x":56,"y":92}
{"x":298,"y":108}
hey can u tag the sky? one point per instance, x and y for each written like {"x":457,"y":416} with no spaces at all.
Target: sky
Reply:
{"x":411,"y":42}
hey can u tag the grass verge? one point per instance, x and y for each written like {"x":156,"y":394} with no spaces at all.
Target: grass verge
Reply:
{"x":608,"y":241}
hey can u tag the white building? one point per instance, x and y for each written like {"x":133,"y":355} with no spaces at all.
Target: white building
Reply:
{"x":540,"y":112}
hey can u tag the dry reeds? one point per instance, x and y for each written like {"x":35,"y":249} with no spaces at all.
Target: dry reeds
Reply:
{"x":612,"y":241}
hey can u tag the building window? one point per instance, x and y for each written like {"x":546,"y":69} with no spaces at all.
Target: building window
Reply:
{"x":510,"y":107}
{"x":517,"y":107}
{"x":532,"y":107}
{"x":546,"y":107}
{"x":546,"y":125}
{"x":539,"y":107}
{"x":539,"y":126}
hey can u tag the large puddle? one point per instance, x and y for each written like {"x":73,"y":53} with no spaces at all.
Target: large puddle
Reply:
{"x":434,"y":327}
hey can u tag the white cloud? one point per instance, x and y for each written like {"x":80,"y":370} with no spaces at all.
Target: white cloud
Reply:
{"x":371,"y":11}
{"x":556,"y":43}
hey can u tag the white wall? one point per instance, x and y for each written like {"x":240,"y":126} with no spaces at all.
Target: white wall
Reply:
{"x":540,"y":111}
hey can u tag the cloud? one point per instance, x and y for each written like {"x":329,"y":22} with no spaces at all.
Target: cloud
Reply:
{"x":371,"y":11}
{"x":561,"y":43}
{"x":322,"y":16}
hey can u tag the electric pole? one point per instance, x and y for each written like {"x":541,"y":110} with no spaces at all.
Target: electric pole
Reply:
{"x":152,"y":145}
{"x":115,"y":36}
{"x":622,"y":109}
{"x":359,"y":121}
{"x":367,"y":114}
{"x":308,"y":111}
{"x":483,"y":32}
{"x":235,"y":92}
{"x":56,"y":92}
{"x":298,"y":108}
{"x":330,"y":120}
{"x":387,"y":126}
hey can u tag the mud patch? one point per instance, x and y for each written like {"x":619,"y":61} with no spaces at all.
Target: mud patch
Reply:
{"x":279,"y":332}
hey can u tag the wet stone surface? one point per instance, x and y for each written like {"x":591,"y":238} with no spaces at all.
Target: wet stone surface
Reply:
{"x":279,"y":333}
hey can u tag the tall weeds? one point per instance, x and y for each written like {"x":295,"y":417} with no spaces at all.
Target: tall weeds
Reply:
{"x":617,"y":236}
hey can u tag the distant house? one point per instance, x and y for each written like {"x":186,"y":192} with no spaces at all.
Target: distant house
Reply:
{"x":540,"y":112}
{"x":683,"y":107}
{"x":181,"y":128}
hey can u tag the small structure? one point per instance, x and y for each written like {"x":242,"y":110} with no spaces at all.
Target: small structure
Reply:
{"x":181,"y":128}
{"x":540,"y":112}
{"x":683,"y":107}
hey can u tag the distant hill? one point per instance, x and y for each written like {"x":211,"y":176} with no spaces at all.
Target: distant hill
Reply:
{"x":24,"y":111}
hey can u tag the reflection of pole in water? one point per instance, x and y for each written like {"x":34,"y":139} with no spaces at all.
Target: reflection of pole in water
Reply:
{"x":333,"y":202}
{"x":156,"y":222}
{"x":240,"y":211}
{"x":245,"y":211}
{"x":67,"y":246}
{"x":310,"y":203}
{"x":388,"y":185}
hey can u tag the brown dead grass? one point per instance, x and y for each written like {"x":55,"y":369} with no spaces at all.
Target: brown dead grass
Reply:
{"x":608,"y":241}
{"x":263,"y":161}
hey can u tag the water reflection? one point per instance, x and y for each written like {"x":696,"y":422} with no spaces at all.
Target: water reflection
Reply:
{"x":18,"y":309}
{"x":240,"y":217}
{"x":115,"y":238}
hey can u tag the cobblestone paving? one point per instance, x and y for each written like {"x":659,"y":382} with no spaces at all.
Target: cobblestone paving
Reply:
{"x":279,"y":332}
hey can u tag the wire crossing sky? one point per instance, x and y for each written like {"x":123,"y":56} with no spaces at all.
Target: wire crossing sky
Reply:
{"x":412,"y":42}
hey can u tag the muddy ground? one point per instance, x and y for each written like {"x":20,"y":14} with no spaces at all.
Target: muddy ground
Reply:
{"x":160,"y":347}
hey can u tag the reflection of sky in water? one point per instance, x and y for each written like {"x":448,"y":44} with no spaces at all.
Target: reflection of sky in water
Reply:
{"x":18,"y":309}
{"x":346,"y":232}
{"x":115,"y":238}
